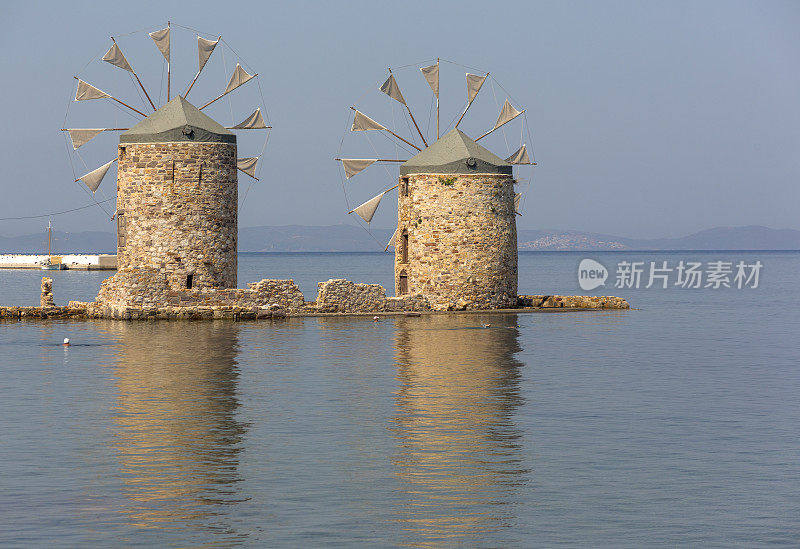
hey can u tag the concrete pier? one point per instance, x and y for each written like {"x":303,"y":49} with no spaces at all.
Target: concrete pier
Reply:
{"x":86,"y":262}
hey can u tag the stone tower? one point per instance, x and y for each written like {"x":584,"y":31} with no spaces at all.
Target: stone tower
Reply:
{"x":457,"y":231}
{"x":177,"y":197}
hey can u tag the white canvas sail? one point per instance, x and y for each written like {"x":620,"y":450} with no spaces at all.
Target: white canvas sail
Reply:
{"x":391,"y":89}
{"x":474,"y":83}
{"x":253,"y":122}
{"x":392,"y":240}
{"x":204,"y":50}
{"x":507,"y":114}
{"x":431,"y":74}
{"x":161,"y":38}
{"x":367,"y":210}
{"x":520,"y":156}
{"x":95,"y":177}
{"x":238,"y":78}
{"x":362,"y":122}
{"x":115,"y":57}
{"x":82,"y":136}
{"x":248,"y":165}
{"x":87,"y":91}
{"x":352,"y":166}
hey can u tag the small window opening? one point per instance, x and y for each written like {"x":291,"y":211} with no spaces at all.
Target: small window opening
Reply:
{"x":403,"y":283}
{"x":189,"y":280}
{"x":404,"y":246}
{"x":404,"y":186}
{"x":122,"y":230}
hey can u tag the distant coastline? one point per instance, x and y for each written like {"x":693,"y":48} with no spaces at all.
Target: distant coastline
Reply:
{"x":350,"y":238}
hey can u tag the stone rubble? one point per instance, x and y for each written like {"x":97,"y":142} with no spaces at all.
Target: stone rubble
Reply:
{"x":47,"y":293}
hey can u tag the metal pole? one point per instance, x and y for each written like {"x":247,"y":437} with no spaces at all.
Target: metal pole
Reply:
{"x":220,"y":96}
{"x":437,"y":100}
{"x":377,"y":160}
{"x":140,"y":85}
{"x":120,"y":102}
{"x":247,"y":174}
{"x":470,"y":103}
{"x":416,"y":126}
{"x":500,"y":126}
{"x":384,"y":192}
{"x":198,"y":73}
{"x":412,"y":118}
{"x":401,"y":139}
{"x":170,"y":54}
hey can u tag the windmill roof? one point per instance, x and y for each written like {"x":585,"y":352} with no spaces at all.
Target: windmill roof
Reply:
{"x":455,"y":152}
{"x":178,"y":120}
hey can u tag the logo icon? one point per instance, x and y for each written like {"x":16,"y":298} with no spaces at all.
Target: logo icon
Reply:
{"x":591,"y":274}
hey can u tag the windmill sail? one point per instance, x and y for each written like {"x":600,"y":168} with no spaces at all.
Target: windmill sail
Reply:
{"x":507,"y":114}
{"x":391,"y":89}
{"x":204,"y":50}
{"x":95,"y":177}
{"x":87,"y":91}
{"x":82,"y":136}
{"x":474,"y":83}
{"x":352,"y":166}
{"x":362,"y":122}
{"x":517,"y":198}
{"x":115,"y":57}
{"x":367,"y":210}
{"x":248,"y":165}
{"x":392,"y":240}
{"x":253,"y":122}
{"x":519,"y":157}
{"x":238,"y":78}
{"x":161,"y":38}
{"x":431,"y":74}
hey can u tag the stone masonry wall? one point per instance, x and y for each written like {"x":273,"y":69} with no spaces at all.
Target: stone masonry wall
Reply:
{"x":177,"y":208}
{"x":46,"y":299}
{"x":462,"y":240}
{"x":143,"y":288}
{"x":338,"y":295}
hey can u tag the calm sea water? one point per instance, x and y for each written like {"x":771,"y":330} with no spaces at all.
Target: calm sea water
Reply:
{"x":674,"y":425}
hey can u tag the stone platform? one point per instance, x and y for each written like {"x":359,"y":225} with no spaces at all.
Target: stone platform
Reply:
{"x":141,"y":298}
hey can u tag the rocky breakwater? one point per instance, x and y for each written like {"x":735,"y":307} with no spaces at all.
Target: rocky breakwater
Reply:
{"x":572,"y":302}
{"x":143,"y":294}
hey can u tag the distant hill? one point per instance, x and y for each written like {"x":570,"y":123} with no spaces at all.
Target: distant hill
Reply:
{"x":351,"y":238}
{"x":752,"y":237}
{"x":91,"y":242}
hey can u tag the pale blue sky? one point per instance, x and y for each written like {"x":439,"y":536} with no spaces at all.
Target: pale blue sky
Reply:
{"x":649,"y":118}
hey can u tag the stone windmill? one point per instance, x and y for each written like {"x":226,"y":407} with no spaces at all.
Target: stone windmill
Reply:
{"x":456,"y":238}
{"x":177,"y":184}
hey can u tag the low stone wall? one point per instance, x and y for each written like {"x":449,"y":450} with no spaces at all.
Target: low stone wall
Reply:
{"x":134,"y":289}
{"x":573,"y":302}
{"x":143,"y":294}
{"x":338,"y":295}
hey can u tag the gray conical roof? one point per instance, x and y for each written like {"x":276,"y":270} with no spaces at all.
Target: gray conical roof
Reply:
{"x":178,"y":120}
{"x":454,"y":152}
